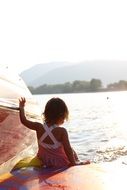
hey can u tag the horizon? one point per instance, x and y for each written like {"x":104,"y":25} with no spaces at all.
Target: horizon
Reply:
{"x":108,"y":71}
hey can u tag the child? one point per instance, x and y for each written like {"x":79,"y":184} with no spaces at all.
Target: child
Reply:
{"x":54,"y":149}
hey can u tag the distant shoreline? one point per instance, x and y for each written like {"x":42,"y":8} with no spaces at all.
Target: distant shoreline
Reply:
{"x":95,"y":85}
{"x":102,"y":90}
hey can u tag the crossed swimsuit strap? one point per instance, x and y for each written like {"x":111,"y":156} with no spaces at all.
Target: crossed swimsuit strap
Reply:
{"x":49,"y":133}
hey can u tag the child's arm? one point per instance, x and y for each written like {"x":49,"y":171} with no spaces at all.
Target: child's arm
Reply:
{"x":71,"y":154}
{"x":68,"y":148}
{"x":30,"y":124}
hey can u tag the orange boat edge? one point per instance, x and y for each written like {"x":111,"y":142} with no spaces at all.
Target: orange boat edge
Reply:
{"x":87,"y":177}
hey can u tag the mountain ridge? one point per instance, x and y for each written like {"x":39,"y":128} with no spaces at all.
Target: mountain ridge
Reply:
{"x":61,"y":72}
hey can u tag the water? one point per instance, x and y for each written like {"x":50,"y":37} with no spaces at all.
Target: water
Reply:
{"x":97,"y":124}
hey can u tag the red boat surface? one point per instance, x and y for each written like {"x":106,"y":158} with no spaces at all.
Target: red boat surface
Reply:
{"x":87,"y":177}
{"x":16,"y":141}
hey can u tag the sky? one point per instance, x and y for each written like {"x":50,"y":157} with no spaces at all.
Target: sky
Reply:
{"x":41,"y":31}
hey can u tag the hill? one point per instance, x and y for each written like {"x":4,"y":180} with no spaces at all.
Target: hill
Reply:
{"x":55,"y":73}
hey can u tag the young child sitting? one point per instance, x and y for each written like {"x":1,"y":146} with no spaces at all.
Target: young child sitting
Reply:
{"x":54,"y":149}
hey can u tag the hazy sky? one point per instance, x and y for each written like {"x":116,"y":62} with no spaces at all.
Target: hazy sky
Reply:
{"x":40,"y":31}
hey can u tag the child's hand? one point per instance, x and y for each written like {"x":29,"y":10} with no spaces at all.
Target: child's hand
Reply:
{"x":22,"y":102}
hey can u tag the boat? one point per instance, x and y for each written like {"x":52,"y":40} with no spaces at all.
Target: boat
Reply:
{"x":16,"y":141}
{"x":88,"y":177}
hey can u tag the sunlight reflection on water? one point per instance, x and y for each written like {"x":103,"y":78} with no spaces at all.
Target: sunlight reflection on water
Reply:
{"x":97,"y":123}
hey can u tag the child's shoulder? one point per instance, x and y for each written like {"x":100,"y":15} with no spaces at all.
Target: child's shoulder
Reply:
{"x":39,"y":126}
{"x":60,"y":129}
{"x":63,"y":130}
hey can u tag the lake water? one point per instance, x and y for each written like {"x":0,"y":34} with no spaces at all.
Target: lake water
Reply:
{"x":97,"y":124}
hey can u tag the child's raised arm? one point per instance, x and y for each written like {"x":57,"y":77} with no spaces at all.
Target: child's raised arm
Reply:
{"x":30,"y":124}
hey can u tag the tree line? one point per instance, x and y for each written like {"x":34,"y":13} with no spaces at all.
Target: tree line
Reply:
{"x":77,"y":86}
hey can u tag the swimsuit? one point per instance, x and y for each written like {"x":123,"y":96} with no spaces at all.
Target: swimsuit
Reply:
{"x":52,"y":155}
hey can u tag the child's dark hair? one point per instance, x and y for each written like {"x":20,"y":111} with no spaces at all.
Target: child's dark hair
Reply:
{"x":54,"y":110}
